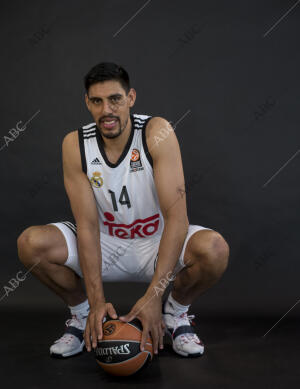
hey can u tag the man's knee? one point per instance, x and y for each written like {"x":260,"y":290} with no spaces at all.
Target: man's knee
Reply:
{"x":31,"y":244}
{"x":210,"y":250}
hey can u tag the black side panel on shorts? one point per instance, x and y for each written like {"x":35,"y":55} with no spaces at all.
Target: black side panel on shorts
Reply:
{"x":82,"y":151}
{"x":148,"y":155}
{"x":72,"y":226}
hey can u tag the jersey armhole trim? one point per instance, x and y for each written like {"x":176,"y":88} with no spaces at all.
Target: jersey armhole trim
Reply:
{"x":148,"y":155}
{"x":82,"y":150}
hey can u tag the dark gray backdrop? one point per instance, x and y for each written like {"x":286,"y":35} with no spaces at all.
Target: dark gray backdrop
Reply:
{"x":226,"y":70}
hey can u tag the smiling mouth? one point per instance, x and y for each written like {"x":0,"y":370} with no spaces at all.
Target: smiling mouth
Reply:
{"x":109,"y":123}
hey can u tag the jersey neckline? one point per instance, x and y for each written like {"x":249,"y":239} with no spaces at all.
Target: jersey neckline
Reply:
{"x":125,"y":150}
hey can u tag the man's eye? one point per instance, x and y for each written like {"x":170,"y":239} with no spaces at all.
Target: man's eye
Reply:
{"x":115,"y":99}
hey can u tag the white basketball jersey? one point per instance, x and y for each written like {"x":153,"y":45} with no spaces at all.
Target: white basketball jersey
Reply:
{"x":125,"y":193}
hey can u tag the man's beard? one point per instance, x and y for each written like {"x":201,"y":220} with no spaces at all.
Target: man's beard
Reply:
{"x":112,"y":135}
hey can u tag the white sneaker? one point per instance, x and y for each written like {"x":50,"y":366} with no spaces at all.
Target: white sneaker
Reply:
{"x":185,"y":340}
{"x":72,"y":342}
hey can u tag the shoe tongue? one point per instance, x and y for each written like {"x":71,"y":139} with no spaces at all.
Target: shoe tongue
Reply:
{"x":78,"y":317}
{"x":183,"y":317}
{"x":75,"y":321}
{"x":183,"y":320}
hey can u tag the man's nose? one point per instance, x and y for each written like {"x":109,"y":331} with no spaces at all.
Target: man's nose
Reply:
{"x":107,"y":107}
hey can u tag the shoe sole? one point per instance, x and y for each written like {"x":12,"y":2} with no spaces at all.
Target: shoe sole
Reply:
{"x":79,"y":350}
{"x":182,"y":353}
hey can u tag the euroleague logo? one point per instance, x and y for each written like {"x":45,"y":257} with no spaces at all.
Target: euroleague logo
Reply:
{"x":135,"y":155}
{"x":135,"y":161}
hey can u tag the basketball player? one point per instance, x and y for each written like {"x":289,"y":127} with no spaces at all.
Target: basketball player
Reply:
{"x":124,"y":178}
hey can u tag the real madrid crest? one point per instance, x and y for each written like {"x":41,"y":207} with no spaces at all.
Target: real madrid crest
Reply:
{"x":96,"y":180}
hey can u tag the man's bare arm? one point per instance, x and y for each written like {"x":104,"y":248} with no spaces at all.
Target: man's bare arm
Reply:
{"x":169,"y":181}
{"x":85,"y":212}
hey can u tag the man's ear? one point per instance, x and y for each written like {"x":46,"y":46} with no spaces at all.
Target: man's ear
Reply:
{"x":132,"y":97}
{"x":87,"y":101}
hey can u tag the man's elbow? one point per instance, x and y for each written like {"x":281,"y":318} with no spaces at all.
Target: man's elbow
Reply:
{"x":87,"y":228}
{"x":180,"y":220}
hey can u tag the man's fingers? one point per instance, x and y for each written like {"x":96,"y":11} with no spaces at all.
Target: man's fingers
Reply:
{"x":99,"y":324}
{"x":161,"y":337}
{"x":111,"y":311}
{"x":162,"y":333}
{"x":94,"y":333}
{"x":130,"y":316}
{"x":155,"y":338}
{"x":145,"y":336}
{"x":87,"y":336}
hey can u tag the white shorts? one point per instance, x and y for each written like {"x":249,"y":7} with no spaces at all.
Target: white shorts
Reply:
{"x":122,"y":259}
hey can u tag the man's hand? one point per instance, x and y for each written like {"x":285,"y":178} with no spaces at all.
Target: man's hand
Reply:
{"x":148,"y":310}
{"x":93,"y":328}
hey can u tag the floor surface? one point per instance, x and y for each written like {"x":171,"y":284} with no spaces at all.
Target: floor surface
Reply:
{"x":237,"y":356}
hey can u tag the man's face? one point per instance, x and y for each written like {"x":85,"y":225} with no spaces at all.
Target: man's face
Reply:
{"x":110,"y":106}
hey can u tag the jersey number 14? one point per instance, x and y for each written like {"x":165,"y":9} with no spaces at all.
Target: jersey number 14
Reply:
{"x":123,"y":199}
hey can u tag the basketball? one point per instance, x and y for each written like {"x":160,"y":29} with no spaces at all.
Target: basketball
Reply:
{"x":118,"y":352}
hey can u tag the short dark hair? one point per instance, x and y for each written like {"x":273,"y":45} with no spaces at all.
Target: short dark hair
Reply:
{"x":105,"y":71}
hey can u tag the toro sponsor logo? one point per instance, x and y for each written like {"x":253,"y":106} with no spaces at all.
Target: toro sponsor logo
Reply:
{"x":140,"y":228}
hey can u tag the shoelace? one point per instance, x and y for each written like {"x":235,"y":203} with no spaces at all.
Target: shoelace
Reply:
{"x":185,"y":319}
{"x":73,"y":321}
{"x":67,"y":338}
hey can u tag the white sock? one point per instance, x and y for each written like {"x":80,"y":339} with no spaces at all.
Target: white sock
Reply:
{"x":173,"y":306}
{"x":81,"y":310}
